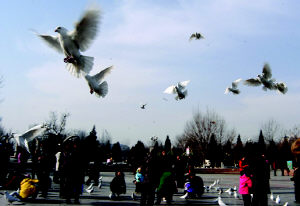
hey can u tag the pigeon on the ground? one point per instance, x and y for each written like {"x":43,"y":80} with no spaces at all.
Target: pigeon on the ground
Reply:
{"x":72,"y":42}
{"x":90,"y":187}
{"x":91,"y":190}
{"x":286,"y":204}
{"x":23,"y":139}
{"x":235,"y":194}
{"x":220,"y":202}
{"x":184,"y":196}
{"x":277,"y":199}
{"x":178,"y":89}
{"x":196,"y":36}
{"x":9,"y":198}
{"x":95,"y":84}
{"x":281,"y":87}
{"x":233,"y":88}
{"x":100,"y":185}
{"x":263,"y":79}
{"x":272,"y":197}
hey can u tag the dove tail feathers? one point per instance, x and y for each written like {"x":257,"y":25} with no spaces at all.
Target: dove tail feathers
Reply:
{"x":84,"y":65}
{"x":102,"y":89}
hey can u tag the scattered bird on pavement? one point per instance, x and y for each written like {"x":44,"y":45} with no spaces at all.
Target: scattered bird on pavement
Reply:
{"x":272,"y":197}
{"x":277,"y":199}
{"x":178,"y":89}
{"x":71,"y":43}
{"x":196,"y":36}
{"x":233,"y":88}
{"x":263,"y":79}
{"x":91,"y":190}
{"x":95,"y":84}
{"x":90,"y":187}
{"x":184,"y":196}
{"x":220,"y":202}
{"x":23,"y":139}
{"x":235,"y":194}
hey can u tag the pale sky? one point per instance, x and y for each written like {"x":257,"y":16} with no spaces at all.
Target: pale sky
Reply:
{"x":148,"y":44}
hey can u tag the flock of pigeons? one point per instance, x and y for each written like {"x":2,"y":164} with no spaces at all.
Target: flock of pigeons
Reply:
{"x":72,"y":43}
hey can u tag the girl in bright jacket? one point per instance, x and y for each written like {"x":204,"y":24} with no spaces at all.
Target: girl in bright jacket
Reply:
{"x":245,"y":187}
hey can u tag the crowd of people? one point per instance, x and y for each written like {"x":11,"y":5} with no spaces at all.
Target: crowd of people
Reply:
{"x":157,"y":177}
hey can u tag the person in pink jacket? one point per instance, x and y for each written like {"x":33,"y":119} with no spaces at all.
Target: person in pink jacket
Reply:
{"x":245,"y":187}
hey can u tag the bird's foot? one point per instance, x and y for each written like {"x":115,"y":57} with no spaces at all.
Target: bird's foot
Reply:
{"x":69,"y":59}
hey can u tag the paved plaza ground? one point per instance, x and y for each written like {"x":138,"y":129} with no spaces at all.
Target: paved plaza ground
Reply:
{"x":280,"y":185}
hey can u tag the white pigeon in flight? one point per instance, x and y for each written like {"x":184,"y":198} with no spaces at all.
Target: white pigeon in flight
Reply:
{"x":233,"y":88}
{"x":90,"y":190}
{"x":178,"y":89}
{"x":95,"y":84}
{"x":263,"y":79}
{"x":72,"y":42}
{"x":23,"y":139}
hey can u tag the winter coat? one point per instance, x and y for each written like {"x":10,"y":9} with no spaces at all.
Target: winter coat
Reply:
{"x":27,"y":187}
{"x":245,"y":185}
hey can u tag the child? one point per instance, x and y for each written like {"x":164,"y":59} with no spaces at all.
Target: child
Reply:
{"x":139,"y":179}
{"x":27,"y":188}
{"x":245,"y":187}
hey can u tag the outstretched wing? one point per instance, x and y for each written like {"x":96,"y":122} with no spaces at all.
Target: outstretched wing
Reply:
{"x":98,"y":77}
{"x":170,"y":90}
{"x":183,"y":84}
{"x":33,"y":132}
{"x":192,"y":36}
{"x":267,"y":73}
{"x":86,"y":29}
{"x":235,"y":83}
{"x":52,"y":41}
{"x":253,"y":82}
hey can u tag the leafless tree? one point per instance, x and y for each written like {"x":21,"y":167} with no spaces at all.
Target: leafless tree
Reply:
{"x":271,"y":130}
{"x":55,"y":126}
{"x":105,"y":137}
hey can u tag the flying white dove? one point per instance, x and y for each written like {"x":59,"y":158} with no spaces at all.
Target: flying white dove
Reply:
{"x":72,"y":42}
{"x":95,"y":84}
{"x":220,"y":202}
{"x":23,"y":139}
{"x":178,"y":89}
{"x":281,"y":87}
{"x":233,"y":88}
{"x":196,"y":36}
{"x":277,"y":199}
{"x":263,"y":79}
{"x":229,"y":191}
{"x":9,"y":198}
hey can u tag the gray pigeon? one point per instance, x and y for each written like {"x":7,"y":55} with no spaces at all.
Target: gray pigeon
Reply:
{"x":95,"y":84}
{"x":178,"y":89}
{"x":263,"y":79}
{"x":233,"y":88}
{"x":72,"y":42}
{"x":196,"y":36}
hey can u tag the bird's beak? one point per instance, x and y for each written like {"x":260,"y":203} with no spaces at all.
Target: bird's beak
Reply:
{"x":55,"y":30}
{"x":91,"y":91}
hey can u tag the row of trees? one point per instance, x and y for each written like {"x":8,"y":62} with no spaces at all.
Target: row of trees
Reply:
{"x":206,"y":135}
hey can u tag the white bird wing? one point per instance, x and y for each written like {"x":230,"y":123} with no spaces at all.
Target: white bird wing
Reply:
{"x":267,"y":73}
{"x":86,"y":29}
{"x":220,"y":201}
{"x":235,"y":83}
{"x":183,"y":84}
{"x":52,"y":41}
{"x":253,"y":82}
{"x":33,"y":132}
{"x":100,"y":76}
{"x":170,"y":90}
